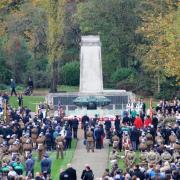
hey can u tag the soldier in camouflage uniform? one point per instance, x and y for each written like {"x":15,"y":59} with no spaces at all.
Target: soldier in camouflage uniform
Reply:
{"x":159,"y":139}
{"x":166,"y":156}
{"x":149,"y":140}
{"x":114,"y":156}
{"x":176,"y":156}
{"x":115,"y":140}
{"x":153,"y":157}
{"x":59,"y":145}
{"x":143,"y":159}
{"x":130,"y":158}
{"x":143,"y":143}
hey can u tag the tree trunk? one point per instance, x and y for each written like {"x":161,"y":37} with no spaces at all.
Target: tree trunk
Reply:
{"x":54,"y":80}
{"x":158,"y":83}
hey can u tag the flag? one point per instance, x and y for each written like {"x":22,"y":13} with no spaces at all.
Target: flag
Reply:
{"x":59,"y":107}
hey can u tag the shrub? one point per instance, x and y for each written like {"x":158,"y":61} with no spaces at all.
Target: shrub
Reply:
{"x":3,"y":87}
{"x":69,"y":73}
{"x":121,"y":74}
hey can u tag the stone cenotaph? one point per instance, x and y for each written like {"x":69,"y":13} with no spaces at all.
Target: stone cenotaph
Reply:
{"x":91,"y":80}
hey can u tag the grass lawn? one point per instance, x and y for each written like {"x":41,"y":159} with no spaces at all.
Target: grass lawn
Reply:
{"x":29,"y":101}
{"x":56,"y":164}
{"x":65,"y":88}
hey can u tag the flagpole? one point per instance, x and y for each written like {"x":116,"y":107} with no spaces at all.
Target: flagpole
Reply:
{"x":150,"y":107}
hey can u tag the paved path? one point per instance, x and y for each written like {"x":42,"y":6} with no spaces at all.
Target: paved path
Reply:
{"x":97,"y":160}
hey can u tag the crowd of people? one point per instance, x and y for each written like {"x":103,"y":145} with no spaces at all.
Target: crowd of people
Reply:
{"x":21,"y":135}
{"x":155,"y":136}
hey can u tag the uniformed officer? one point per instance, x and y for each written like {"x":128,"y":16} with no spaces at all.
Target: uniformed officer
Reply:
{"x":130,"y":158}
{"x":90,"y":140}
{"x":59,"y":145}
{"x":166,"y":156}
{"x":27,"y":148}
{"x":115,"y":141}
{"x":14,"y":148}
{"x":143,"y":142}
{"x":12,"y":139}
{"x":143,"y":159}
{"x":149,"y":140}
{"x":40,"y":144}
{"x":114,"y":156}
{"x":153,"y":157}
{"x":159,"y":139}
{"x":34,"y":135}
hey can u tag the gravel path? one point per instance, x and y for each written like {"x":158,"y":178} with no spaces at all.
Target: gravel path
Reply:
{"x":97,"y":160}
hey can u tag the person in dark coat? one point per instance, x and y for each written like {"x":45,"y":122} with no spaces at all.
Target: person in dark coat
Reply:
{"x":107,"y":127}
{"x":68,"y":138}
{"x":30,"y":84}
{"x":95,"y":120}
{"x":20,"y":100}
{"x":87,"y":173}
{"x":75,"y":124}
{"x":46,"y":165}
{"x":29,"y":166}
{"x":117,"y":123}
{"x":63,"y":175}
{"x":85,"y":124}
{"x":138,"y":173}
{"x":13,"y":87}
{"x":98,"y":136}
{"x":134,"y":136}
{"x":126,"y":119}
{"x":71,"y":172}
{"x":155,"y":121}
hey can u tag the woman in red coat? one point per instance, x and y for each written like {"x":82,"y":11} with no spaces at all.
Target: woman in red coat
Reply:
{"x":138,"y":122}
{"x":147,"y":122}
